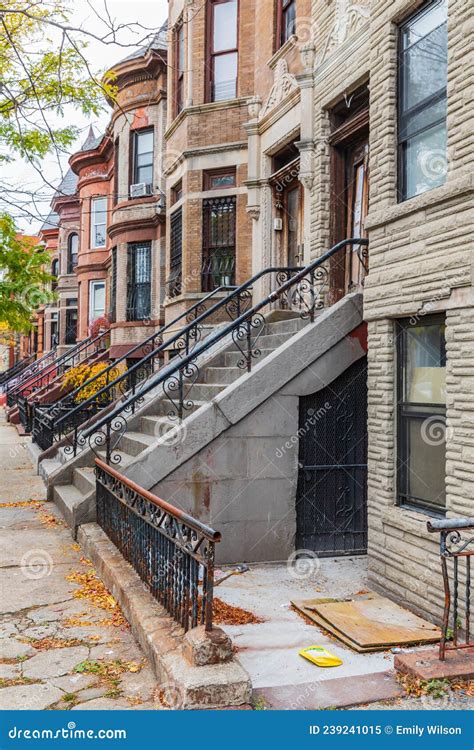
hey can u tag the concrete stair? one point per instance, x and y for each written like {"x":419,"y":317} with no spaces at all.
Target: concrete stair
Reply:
{"x":74,"y":489}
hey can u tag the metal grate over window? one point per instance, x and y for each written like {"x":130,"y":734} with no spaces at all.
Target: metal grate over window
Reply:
{"x":113,"y":287}
{"x":176,"y":254}
{"x":139,"y":281}
{"x":219,"y":225}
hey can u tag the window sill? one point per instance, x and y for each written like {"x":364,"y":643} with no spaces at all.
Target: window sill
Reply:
{"x":282,"y":51}
{"x":396,"y":211}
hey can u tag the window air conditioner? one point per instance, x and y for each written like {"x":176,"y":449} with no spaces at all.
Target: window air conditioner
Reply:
{"x":139,"y":190}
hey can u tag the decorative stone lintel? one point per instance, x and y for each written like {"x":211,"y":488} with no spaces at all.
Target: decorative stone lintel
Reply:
{"x":202,"y":647}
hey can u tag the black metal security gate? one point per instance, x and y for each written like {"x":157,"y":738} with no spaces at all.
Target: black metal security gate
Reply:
{"x":331,"y":500}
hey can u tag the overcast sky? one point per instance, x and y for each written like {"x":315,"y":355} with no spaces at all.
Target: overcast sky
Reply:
{"x":149,"y":13}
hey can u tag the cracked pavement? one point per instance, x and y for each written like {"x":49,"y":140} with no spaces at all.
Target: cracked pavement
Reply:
{"x":57,"y":651}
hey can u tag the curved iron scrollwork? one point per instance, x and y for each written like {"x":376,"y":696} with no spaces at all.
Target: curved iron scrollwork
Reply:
{"x":245,"y":338}
{"x":168,"y":548}
{"x":454,"y":543}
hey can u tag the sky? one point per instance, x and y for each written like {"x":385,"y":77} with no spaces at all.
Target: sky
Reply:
{"x":149,"y":13}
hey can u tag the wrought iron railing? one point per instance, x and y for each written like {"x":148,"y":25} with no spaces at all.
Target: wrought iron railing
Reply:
{"x":456,"y":544}
{"x":172,"y":552}
{"x":53,"y":422}
{"x":56,"y":369}
{"x":12,"y":387}
{"x":305,"y":291}
{"x":15,"y":370}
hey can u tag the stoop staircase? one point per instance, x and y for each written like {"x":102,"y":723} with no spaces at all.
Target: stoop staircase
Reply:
{"x":152,"y":425}
{"x":210,"y":386}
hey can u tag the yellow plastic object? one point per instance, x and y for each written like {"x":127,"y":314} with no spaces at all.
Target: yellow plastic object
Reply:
{"x":320,"y":656}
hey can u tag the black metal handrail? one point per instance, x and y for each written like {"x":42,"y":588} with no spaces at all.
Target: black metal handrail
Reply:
{"x":30,"y":372}
{"x":304,"y":289}
{"x":50,"y":421}
{"x":59,"y":365}
{"x":16,"y":369}
{"x":166,"y":546}
{"x":456,"y":547}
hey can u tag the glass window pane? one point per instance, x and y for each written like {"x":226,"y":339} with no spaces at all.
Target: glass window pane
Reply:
{"x":145,"y":174}
{"x":425,"y":161}
{"x":425,"y":377}
{"x":225,"y":26}
{"x":426,"y":458}
{"x":425,"y":67}
{"x":145,"y":142}
{"x":225,"y":76}
{"x":424,"y":118}
{"x":181,"y":50}
{"x":424,"y":23}
{"x":289,"y":22}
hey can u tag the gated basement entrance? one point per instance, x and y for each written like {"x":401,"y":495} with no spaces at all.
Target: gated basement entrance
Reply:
{"x":331,"y":499}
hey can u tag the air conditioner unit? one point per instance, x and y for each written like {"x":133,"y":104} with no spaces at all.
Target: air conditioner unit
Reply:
{"x":140,"y":189}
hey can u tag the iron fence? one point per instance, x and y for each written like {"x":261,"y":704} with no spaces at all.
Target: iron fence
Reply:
{"x":456,"y":544}
{"x":172,"y":552}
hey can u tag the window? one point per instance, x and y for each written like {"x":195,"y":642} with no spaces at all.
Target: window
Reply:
{"x":139,"y":281}
{"x":177,"y":192}
{"x":176,"y":253}
{"x":54,"y":329}
{"x":219,"y":179}
{"x":113,"y":286}
{"x":54,"y":273}
{"x":98,"y":222}
{"x":96,"y":300}
{"x":422,"y":100}
{"x":180,"y":53}
{"x":72,"y":251}
{"x":116,"y":170}
{"x":223,"y":50}
{"x":71,"y":321}
{"x":218,"y":267}
{"x":422,"y":413}
{"x":143,"y":157}
{"x":286,"y":25}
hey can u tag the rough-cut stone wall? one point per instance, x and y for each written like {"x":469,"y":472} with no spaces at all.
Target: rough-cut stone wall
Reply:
{"x":421,"y":261}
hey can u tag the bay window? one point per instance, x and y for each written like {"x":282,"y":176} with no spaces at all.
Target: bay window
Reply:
{"x":223,"y":50}
{"x":422,"y":413}
{"x":72,"y":252}
{"x":422,"y":135}
{"x":98,"y":222}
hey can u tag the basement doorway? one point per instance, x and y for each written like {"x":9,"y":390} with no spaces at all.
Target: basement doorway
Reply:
{"x":331,"y":498}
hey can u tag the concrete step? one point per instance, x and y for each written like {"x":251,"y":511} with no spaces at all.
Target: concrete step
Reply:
{"x":156,"y":426}
{"x":125,"y":458}
{"x":68,"y":499}
{"x":232,"y":359}
{"x":84,"y":480}
{"x":292,"y":325}
{"x":163,"y":408}
{"x":272,"y":341}
{"x":134,"y":443}
{"x":220,"y":375}
{"x":204,"y":391}
{"x":47,"y":467}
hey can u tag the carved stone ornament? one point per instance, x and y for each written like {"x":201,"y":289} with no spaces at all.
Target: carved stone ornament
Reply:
{"x":254,"y":212}
{"x":283,"y":84}
{"x":348,"y":18}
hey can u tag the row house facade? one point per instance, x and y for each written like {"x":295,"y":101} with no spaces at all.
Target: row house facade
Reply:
{"x":293,"y":125}
{"x":257,"y":135}
{"x":105,"y":233}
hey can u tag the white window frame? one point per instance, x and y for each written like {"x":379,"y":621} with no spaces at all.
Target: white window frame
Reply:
{"x":94,"y":224}
{"x":93,"y":285}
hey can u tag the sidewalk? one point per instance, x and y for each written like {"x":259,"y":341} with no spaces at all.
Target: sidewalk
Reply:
{"x":63,"y":643}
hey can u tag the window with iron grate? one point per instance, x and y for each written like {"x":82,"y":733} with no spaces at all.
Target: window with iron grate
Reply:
{"x":113,"y":286}
{"x":218,"y":256}
{"x":176,"y":254}
{"x":139,"y":280}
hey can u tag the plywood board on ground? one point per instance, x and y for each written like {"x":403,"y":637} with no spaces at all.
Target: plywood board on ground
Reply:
{"x":369,"y":622}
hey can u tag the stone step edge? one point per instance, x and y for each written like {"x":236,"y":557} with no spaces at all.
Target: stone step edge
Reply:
{"x":212,"y":686}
